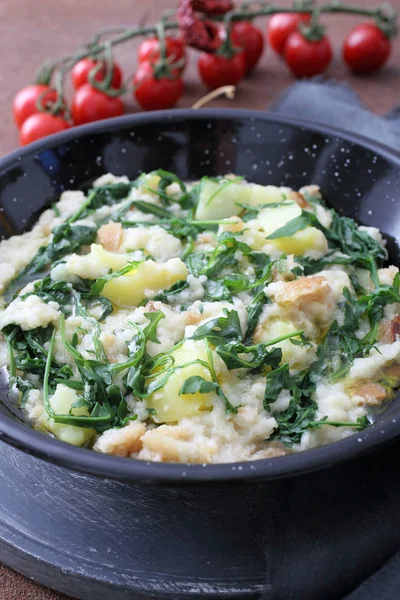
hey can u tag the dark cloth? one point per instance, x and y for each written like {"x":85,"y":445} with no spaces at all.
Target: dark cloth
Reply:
{"x":336,"y":104}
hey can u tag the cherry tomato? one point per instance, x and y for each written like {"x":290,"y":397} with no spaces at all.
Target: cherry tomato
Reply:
{"x":149,"y":51}
{"x":39,"y":125}
{"x":80,"y":73}
{"x":155,"y":94}
{"x":216,"y":70}
{"x":281,"y":26}
{"x":307,"y":58}
{"x":24,"y":104}
{"x":88,"y":104}
{"x":366,"y":48}
{"x":245,"y":35}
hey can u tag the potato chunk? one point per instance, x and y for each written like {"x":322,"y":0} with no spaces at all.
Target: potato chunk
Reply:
{"x":222,"y":199}
{"x":96,"y":263}
{"x":127,"y":291}
{"x":61,"y":402}
{"x":307,"y":239}
{"x":171,"y":407}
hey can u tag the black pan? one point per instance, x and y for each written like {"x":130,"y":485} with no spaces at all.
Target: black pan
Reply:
{"x":315,"y":514}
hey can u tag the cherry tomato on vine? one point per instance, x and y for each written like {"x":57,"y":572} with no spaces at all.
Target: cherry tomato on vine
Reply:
{"x":24,"y":104}
{"x":245,"y":35}
{"x":154,"y":93}
{"x":40,"y":125}
{"x":89,"y":104}
{"x":149,"y":51}
{"x":217,"y":70}
{"x":307,"y":58}
{"x":366,"y":49}
{"x":80,"y":73}
{"x":281,"y":26}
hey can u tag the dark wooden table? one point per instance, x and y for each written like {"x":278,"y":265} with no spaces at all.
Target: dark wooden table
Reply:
{"x":31,"y":32}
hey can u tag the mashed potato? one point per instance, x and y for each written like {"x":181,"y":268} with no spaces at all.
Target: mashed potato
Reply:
{"x":216,"y":321}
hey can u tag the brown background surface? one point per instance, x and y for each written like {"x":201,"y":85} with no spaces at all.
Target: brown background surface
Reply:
{"x":33,"y":31}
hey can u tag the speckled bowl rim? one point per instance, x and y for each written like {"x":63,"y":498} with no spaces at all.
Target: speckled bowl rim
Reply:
{"x":132,"y":470}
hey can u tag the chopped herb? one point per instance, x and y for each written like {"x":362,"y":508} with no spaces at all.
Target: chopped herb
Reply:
{"x":197,"y":385}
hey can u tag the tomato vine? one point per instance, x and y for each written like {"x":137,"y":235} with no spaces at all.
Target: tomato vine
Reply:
{"x":230,"y":46}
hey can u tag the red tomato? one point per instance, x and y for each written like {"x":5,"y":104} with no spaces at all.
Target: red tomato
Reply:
{"x":366,"y":48}
{"x":24,"y":104}
{"x":80,"y":73}
{"x":39,"y":125}
{"x":305,"y":58}
{"x":149,"y":50}
{"x":156,"y":94}
{"x":216,"y":70}
{"x":281,"y":26}
{"x":245,"y":35}
{"x":88,"y":104}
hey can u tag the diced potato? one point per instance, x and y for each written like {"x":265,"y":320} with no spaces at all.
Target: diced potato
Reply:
{"x":218,"y":200}
{"x":302,"y":241}
{"x":127,"y":291}
{"x":364,"y":277}
{"x":297,"y":356}
{"x":171,"y":407}
{"x":265,"y":194}
{"x":96,"y":263}
{"x":110,"y":259}
{"x":309,"y":238}
{"x":275,"y":328}
{"x":150,"y":181}
{"x":222,"y":199}
{"x":61,"y":402}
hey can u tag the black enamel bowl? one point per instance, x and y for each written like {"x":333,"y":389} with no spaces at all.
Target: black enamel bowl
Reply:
{"x":248,"y":539}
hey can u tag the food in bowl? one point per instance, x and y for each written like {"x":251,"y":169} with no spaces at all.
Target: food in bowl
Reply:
{"x":206,"y":322}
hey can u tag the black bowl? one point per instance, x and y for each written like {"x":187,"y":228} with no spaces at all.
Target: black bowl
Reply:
{"x":313,"y":536}
{"x":359,"y":178}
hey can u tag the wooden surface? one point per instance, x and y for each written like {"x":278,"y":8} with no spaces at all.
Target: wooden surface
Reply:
{"x":31,"y":32}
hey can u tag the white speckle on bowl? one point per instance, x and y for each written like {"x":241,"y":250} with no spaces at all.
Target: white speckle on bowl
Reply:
{"x":123,"y":150}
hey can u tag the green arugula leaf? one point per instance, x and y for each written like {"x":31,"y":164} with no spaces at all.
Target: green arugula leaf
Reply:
{"x":220,"y":329}
{"x":197,"y":385}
